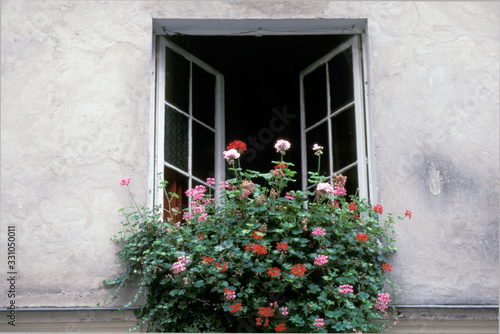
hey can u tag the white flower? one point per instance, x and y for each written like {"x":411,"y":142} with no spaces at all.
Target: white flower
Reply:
{"x":281,"y":146}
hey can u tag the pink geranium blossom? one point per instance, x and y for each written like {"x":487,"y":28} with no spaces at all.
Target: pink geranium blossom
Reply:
{"x":180,"y":265}
{"x":281,"y":146}
{"x":318,"y":231}
{"x":346,"y":288}
{"x":231,"y":155}
{"x":320,"y":260}
{"x":125,"y":181}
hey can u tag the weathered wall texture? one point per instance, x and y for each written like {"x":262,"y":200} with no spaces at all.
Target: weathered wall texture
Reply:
{"x":75,"y":104}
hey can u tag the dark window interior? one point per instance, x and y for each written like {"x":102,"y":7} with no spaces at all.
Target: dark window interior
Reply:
{"x":262,"y":100}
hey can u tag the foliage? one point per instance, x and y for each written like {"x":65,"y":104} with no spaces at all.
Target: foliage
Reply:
{"x":259,"y":259}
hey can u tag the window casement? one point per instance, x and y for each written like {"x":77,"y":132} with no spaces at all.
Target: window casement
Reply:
{"x":194,"y":110}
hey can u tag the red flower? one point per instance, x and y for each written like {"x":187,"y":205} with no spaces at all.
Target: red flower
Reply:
{"x":207,"y":259}
{"x":222,"y":267}
{"x":387,"y":267}
{"x":408,"y":214}
{"x":273,"y":272}
{"x":200,"y":237}
{"x":362,"y":237}
{"x":378,"y":208}
{"x":280,"y":165}
{"x":235,"y":308}
{"x":299,"y":269}
{"x":353,"y":206}
{"x":266,"y":312}
{"x":257,"y":235}
{"x":256,"y":248}
{"x":238,"y":145}
{"x":266,"y":323}
{"x":258,"y":321}
{"x":280,"y":327}
{"x":282,"y":246}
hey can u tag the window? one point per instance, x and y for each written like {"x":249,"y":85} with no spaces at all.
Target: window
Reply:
{"x":215,"y":88}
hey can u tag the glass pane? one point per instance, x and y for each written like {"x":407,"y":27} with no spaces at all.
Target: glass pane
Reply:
{"x":344,"y":139}
{"x":176,"y":138}
{"x":315,"y":96}
{"x":203,"y":152}
{"x":318,"y":135}
{"x":351,"y":185}
{"x":341,"y":79}
{"x":203,"y":96}
{"x":177,"y":80}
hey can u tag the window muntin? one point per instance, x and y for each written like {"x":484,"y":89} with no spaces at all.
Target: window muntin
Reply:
{"x":336,"y":80}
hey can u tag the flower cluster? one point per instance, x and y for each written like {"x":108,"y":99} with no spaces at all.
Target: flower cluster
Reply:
{"x":318,"y":231}
{"x":282,"y":246}
{"x":180,"y":265}
{"x":235,"y":308}
{"x":125,"y":181}
{"x":298,"y":270}
{"x":320,"y":322}
{"x":256,"y":248}
{"x":274,"y":272}
{"x":321,"y":260}
{"x":362,"y":237}
{"x":346,"y":288}
{"x":251,"y":246}
{"x":382,"y":301}
{"x":229,"y":294}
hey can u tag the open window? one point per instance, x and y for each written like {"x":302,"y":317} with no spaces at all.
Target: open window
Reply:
{"x":212,"y":89}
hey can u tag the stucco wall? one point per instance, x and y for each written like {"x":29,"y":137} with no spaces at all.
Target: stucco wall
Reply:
{"x":75,"y":105}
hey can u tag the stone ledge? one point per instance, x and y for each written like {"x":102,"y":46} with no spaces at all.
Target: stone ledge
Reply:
{"x":411,"y":320}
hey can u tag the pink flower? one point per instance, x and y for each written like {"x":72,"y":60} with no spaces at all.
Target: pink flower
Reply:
{"x":339,"y":191}
{"x":125,"y":181}
{"x":231,"y":155}
{"x":185,"y":280}
{"x":211,"y":181}
{"x":229,"y":293}
{"x":281,"y":146}
{"x":320,"y":260}
{"x":197,"y":192}
{"x":284,"y":310}
{"x":383,"y":300}
{"x":325,"y":187}
{"x":289,"y":196}
{"x":319,"y":231}
{"x":318,"y":149}
{"x":346,"y":288}
{"x":180,"y":265}
{"x":319,"y":322}
{"x":408,"y":214}
{"x":202,"y":218}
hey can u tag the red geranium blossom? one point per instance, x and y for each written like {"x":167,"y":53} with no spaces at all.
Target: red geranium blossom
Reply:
{"x":362,"y":237}
{"x":408,"y":214}
{"x":280,"y":165}
{"x":387,"y":267}
{"x":207,"y":259}
{"x":238,"y":145}
{"x":257,"y":235}
{"x":267,"y":312}
{"x":282,"y":246}
{"x":353,"y":206}
{"x":378,"y":208}
{"x":256,"y":248}
{"x":222,"y":267}
{"x":299,"y":269}
{"x":235,"y":308}
{"x":280,"y":327}
{"x":274,"y":272}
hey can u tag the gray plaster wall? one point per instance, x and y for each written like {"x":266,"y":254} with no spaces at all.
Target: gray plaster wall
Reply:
{"x":75,"y":105}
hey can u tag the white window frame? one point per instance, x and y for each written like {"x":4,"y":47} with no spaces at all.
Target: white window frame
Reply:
{"x":259,"y":27}
{"x":359,"y":111}
{"x":161,"y":104}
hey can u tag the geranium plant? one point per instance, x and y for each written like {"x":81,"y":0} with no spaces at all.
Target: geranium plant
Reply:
{"x":262,"y":257}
